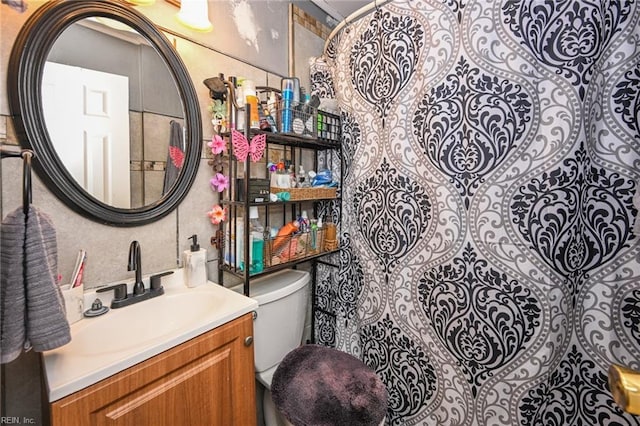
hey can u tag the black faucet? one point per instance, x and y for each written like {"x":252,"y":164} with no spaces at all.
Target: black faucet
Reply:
{"x":120,"y":296}
{"x":135,"y":264}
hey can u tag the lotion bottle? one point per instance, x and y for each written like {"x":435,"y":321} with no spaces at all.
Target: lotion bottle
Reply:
{"x":195,"y":264}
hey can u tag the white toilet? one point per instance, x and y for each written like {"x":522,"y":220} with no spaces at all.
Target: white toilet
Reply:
{"x":278,"y":328}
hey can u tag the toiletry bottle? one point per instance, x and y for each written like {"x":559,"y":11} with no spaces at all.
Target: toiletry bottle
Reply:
{"x":241,"y":100}
{"x":287,"y":99}
{"x":257,"y":242}
{"x":282,"y":177}
{"x":302,"y":178}
{"x":272,"y":103}
{"x":272,"y":111}
{"x":284,"y":234}
{"x":195,"y":264}
{"x":307,"y":114}
{"x":240,"y":242}
{"x":264,"y":122}
{"x":296,"y":91}
{"x":292,"y":177}
{"x":304,"y":221}
{"x":300,"y":115}
{"x":306,"y":106}
{"x":251,"y":98}
{"x":314,"y":234}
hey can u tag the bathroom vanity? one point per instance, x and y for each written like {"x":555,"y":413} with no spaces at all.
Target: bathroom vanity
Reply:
{"x":208,"y":380}
{"x":185,"y":358}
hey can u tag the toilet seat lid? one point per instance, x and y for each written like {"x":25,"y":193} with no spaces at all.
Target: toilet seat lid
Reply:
{"x":266,"y":376}
{"x":276,"y":286}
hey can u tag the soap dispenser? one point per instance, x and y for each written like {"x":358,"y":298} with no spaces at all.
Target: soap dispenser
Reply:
{"x":195,"y":264}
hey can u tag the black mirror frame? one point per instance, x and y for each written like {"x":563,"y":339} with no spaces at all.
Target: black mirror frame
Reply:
{"x":26,"y":65}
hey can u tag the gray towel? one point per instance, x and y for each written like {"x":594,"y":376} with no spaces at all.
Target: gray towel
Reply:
{"x":175,"y":157}
{"x":32,"y":306}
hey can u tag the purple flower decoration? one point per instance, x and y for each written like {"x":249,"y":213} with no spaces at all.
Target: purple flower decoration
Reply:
{"x":219,"y":182}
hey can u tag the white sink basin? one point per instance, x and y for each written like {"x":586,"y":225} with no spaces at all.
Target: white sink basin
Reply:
{"x":105,"y":345}
{"x":154,"y":319}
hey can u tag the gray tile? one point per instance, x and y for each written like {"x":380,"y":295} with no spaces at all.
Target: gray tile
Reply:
{"x":135,"y":136}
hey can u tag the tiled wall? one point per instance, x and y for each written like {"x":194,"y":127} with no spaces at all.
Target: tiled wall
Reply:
{"x":307,"y":21}
{"x":310,"y":35}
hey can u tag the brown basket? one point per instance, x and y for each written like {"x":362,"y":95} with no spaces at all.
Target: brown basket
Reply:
{"x":298,"y":194}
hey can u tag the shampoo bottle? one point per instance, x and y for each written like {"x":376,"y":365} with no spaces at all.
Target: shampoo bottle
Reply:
{"x":195,"y":264}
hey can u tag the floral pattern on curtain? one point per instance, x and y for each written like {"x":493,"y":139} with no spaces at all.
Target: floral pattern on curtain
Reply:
{"x":490,"y":270}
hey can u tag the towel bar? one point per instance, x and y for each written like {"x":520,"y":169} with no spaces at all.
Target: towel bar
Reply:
{"x":26,"y":155}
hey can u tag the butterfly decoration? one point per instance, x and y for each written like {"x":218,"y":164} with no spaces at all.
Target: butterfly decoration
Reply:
{"x":242,"y":147}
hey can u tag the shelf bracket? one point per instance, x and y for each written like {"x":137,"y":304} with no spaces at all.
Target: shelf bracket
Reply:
{"x":217,"y":240}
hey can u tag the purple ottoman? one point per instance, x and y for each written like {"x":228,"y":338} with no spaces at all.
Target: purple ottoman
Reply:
{"x":317,"y":385}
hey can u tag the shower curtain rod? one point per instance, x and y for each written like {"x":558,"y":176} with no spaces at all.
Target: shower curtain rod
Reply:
{"x":363,"y":11}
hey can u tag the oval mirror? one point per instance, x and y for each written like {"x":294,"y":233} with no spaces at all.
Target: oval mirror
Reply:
{"x":108,"y":107}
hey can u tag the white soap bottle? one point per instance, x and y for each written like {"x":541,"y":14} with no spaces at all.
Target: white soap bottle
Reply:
{"x":195,"y":264}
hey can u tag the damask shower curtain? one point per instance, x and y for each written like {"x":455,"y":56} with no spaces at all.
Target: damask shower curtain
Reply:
{"x":490,"y":270}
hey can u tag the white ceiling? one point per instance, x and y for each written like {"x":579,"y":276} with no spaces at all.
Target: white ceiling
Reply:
{"x":340,"y":9}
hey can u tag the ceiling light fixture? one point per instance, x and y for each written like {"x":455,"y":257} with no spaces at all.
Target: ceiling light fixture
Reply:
{"x":195,"y":15}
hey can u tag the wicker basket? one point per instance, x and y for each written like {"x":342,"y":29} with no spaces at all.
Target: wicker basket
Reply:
{"x":298,"y":194}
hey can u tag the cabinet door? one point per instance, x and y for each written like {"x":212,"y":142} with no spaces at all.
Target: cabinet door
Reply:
{"x":206,"y":381}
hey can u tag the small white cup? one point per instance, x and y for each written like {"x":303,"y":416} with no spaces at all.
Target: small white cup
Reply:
{"x":73,"y":301}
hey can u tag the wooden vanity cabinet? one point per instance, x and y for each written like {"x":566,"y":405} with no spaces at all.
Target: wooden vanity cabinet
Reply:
{"x":206,"y":381}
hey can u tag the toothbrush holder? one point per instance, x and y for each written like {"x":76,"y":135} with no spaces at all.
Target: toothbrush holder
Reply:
{"x":73,"y":301}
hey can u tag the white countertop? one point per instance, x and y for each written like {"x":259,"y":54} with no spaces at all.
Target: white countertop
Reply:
{"x":89,"y":358}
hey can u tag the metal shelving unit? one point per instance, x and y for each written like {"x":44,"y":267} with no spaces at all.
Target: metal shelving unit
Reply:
{"x":226,"y":238}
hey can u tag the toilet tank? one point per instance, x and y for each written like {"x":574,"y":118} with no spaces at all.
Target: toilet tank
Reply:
{"x":282,"y":307}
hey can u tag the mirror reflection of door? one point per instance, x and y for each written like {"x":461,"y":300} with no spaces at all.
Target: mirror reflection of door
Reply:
{"x":87,"y":116}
